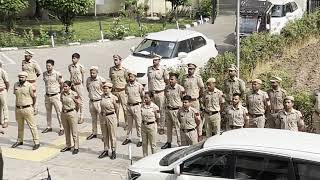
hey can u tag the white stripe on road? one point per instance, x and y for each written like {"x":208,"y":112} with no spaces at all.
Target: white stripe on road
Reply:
{"x":7,"y":58}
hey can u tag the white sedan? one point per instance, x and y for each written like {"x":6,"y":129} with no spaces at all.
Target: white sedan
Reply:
{"x":176,"y":47}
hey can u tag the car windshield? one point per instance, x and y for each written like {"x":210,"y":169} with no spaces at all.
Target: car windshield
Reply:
{"x":248,"y":24}
{"x":149,"y":47}
{"x":175,"y":155}
{"x":277,"y":11}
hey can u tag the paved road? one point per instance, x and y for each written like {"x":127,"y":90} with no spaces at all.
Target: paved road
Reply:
{"x":23,"y":163}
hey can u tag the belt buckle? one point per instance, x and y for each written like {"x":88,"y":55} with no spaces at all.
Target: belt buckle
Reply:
{"x":65,"y":111}
{"x":185,"y":130}
{"x":20,"y":107}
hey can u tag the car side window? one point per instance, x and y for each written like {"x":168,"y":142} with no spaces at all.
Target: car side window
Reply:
{"x":306,"y":170}
{"x":198,"y":42}
{"x":207,"y":165}
{"x":261,"y":167}
{"x":288,"y":8}
{"x":183,"y":46}
{"x":294,"y":6}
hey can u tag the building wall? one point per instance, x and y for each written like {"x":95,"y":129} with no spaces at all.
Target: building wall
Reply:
{"x":110,"y":6}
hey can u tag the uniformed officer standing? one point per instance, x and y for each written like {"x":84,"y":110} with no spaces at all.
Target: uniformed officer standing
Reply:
{"x":193,"y":84}
{"x":289,"y":118}
{"x":316,"y":113}
{"x":276,"y":95}
{"x":135,"y":93}
{"x":4,"y":87}
{"x":150,"y":117}
{"x":70,"y":105}
{"x":25,"y":101}
{"x":109,"y":106}
{"x":94,"y":86}
{"x":189,"y":119}
{"x":237,"y":115}
{"x":77,"y":78}
{"x":53,"y":84}
{"x":213,"y":100}
{"x":33,"y":69}
{"x":173,"y":92}
{"x":157,"y":78}
{"x":118,"y":76}
{"x":257,"y":103}
{"x":233,"y":85}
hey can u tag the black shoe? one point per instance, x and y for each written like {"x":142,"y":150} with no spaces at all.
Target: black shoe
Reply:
{"x":113,"y":155}
{"x":47,"y":130}
{"x":91,"y":136}
{"x":65,"y":149}
{"x":139,"y":144}
{"x":127,"y":141}
{"x":17,"y":144}
{"x":103,"y":154}
{"x":36,"y":146}
{"x":75,"y":151}
{"x":166,"y":145}
{"x":61,"y":132}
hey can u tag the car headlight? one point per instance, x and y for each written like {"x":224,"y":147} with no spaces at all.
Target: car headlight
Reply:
{"x":132,"y":175}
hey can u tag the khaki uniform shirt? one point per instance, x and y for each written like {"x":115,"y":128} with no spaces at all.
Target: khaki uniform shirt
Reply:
{"x":94,"y":87}
{"x":52,"y":81}
{"x":32,"y":68}
{"x":69,"y":100}
{"x":256,"y":102}
{"x":134,"y":92}
{"x":3,"y":78}
{"x":150,"y":113}
{"x":156,"y":78}
{"x":290,"y":120}
{"x":76,"y":72}
{"x":276,"y":99}
{"x":173,"y":95}
{"x":232,"y":86}
{"x":192,"y":85}
{"x":24,"y":93}
{"x":118,"y":77}
{"x":236,"y":116}
{"x":188,"y":118}
{"x":213,"y":99}
{"x":108,"y":103}
{"x":316,"y":97}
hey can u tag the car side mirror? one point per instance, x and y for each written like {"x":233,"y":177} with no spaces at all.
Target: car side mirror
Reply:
{"x":182,"y":55}
{"x":176,"y":170}
{"x":132,"y":49}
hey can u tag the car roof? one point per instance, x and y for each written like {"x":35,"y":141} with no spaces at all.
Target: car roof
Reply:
{"x":254,"y":7}
{"x":173,"y":35}
{"x":275,"y":141}
{"x":280,"y":2}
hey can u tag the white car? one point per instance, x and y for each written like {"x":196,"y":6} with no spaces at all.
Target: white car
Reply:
{"x":262,"y":154}
{"x":176,"y":47}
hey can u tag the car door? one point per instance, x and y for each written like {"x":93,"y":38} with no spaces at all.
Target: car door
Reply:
{"x":306,"y":170}
{"x":297,"y":12}
{"x":205,"y":166}
{"x":200,"y":52}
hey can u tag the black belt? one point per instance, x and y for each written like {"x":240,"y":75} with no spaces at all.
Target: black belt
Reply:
{"x":148,"y":123}
{"x":50,"y":95}
{"x":133,"y":104}
{"x":67,"y":110}
{"x":108,"y":114}
{"x":95,"y":100}
{"x":210,"y":113}
{"x":187,"y":130}
{"x":173,"y":108}
{"x":256,"y":115}
{"x":157,"y":92}
{"x":22,"y":107}
{"x":235,"y":127}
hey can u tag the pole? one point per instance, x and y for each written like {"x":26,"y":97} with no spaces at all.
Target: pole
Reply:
{"x":238,"y":37}
{"x":101,"y":31}
{"x":95,"y":8}
{"x":52,"y":41}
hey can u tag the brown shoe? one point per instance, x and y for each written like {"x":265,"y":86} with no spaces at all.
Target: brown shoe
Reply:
{"x":5,"y":125}
{"x":61,"y":132}
{"x":81,"y":120}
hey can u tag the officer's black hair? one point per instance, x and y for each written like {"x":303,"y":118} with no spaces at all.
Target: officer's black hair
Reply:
{"x":50,"y":61}
{"x":76,"y":55}
{"x":68,"y":83}
{"x":186,"y":98}
{"x":173,"y":74}
{"x":236,"y":94}
{"x":150,"y":94}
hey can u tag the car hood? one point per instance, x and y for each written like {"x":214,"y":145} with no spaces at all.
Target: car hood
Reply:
{"x":137,"y":63}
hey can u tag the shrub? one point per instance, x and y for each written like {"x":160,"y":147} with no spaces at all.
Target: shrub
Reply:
{"x":204,"y":9}
{"x":117,"y":31}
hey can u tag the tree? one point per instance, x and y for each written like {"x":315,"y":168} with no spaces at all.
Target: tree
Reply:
{"x":9,"y":10}
{"x":67,"y":10}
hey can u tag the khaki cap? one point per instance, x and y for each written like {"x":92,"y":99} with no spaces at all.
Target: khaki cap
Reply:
{"x":156,"y":56}
{"x":108,"y":84}
{"x":94,"y":68}
{"x":23,"y":73}
{"x":191,"y":65}
{"x":132,"y":72}
{"x":275,"y":79}
{"x":257,"y":81}
{"x":232,"y":67}
{"x":289,"y":98}
{"x":211,"y":80}
{"x":28,"y":53}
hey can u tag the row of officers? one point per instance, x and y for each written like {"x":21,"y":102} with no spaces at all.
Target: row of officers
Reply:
{"x":185,"y":108}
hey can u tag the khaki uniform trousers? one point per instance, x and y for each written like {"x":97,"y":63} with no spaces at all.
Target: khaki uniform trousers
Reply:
{"x":26,"y":114}
{"x":3,"y":106}
{"x":160,"y":100}
{"x":173,"y":123}
{"x":56,"y":103}
{"x":69,"y":122}
{"x":316,"y":122}
{"x":149,"y":133}
{"x":95,"y":109}
{"x":123,"y":100}
{"x":79,"y":89}
{"x":109,"y":125}
{"x":271,"y":120}
{"x":213,"y":124}
{"x":257,"y":122}
{"x":196,"y":104}
{"x":134,"y":114}
{"x":189,"y":138}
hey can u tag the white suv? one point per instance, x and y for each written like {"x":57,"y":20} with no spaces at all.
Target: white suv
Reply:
{"x":262,"y":154}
